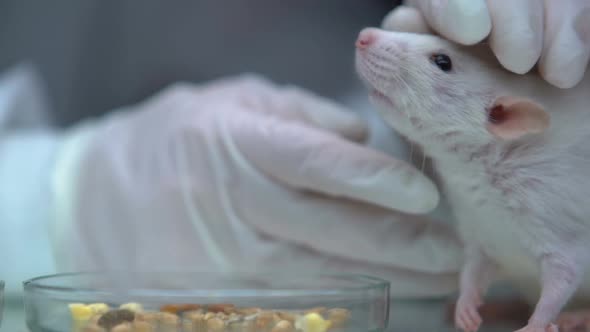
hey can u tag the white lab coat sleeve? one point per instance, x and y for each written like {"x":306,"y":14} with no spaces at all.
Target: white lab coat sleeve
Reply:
{"x":27,"y":147}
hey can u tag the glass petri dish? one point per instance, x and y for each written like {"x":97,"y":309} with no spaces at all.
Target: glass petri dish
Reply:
{"x":206,"y":302}
{"x":1,"y":300}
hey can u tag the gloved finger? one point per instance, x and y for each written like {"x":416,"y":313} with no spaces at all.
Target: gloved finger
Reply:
{"x":405,"y":19}
{"x":307,"y":158}
{"x":290,"y":103}
{"x":567,"y":42}
{"x":323,"y":113}
{"x":407,"y":283}
{"x":330,"y":225}
{"x":463,"y":21}
{"x":517,"y":33}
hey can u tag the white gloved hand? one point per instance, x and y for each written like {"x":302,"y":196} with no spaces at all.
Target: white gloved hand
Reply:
{"x":553,"y":34}
{"x":241,"y":174}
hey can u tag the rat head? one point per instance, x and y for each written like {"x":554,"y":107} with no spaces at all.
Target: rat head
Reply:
{"x":430,"y":89}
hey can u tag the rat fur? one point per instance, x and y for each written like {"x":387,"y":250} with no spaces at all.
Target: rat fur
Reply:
{"x":518,"y":185}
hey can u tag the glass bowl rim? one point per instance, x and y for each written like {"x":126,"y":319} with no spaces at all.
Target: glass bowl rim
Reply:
{"x":363,"y":283}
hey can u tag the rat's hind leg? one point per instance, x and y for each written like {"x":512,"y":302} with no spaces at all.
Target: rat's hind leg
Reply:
{"x":560,"y":278}
{"x":475,"y":278}
{"x":574,"y":321}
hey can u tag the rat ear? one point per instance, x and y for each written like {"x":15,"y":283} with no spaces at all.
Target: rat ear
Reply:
{"x":513,"y":117}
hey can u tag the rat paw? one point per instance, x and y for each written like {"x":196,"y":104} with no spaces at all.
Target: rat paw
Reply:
{"x":574,"y":321}
{"x":549,"y":328}
{"x":467,"y":317}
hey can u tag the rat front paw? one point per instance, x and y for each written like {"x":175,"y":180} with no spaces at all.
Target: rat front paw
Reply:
{"x":549,"y":328}
{"x":574,"y":321}
{"x":466,"y":316}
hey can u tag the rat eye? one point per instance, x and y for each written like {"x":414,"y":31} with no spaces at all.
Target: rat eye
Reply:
{"x":442,"y":61}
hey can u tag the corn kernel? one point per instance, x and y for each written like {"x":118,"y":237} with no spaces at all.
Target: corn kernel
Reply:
{"x":80,"y":311}
{"x":313,"y":322}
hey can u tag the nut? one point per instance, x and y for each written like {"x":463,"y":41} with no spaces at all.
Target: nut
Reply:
{"x":215,"y":325}
{"x":338,"y":317}
{"x":148,"y":317}
{"x":283,"y":326}
{"x":287,"y":316}
{"x":142,"y":326}
{"x":125,"y":327}
{"x":264,"y":320}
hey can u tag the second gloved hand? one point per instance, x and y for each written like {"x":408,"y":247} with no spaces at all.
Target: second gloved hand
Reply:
{"x":553,"y":34}
{"x":241,"y":174}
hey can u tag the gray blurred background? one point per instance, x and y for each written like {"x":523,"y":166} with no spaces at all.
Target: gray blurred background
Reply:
{"x":98,"y":55}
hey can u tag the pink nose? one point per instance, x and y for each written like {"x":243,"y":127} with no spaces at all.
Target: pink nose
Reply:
{"x":366,"y":38}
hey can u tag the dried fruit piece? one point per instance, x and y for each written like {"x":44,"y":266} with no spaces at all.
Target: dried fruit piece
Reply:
{"x":178,"y":308}
{"x":116,"y":317}
{"x":221,"y":307}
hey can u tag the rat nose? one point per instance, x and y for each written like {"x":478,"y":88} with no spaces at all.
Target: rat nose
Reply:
{"x":366,"y":37}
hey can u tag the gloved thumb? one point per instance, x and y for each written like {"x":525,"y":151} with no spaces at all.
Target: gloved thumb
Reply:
{"x":307,"y":158}
{"x":463,"y":21}
{"x":405,"y":19}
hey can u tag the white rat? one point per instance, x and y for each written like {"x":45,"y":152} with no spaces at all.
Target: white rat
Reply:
{"x":513,"y":154}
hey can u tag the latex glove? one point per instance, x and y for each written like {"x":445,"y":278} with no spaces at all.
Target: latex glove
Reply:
{"x":553,"y":34}
{"x":241,"y":174}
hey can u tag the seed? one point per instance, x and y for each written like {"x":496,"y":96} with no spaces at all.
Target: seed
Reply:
{"x":116,"y":317}
{"x":283,"y":326}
